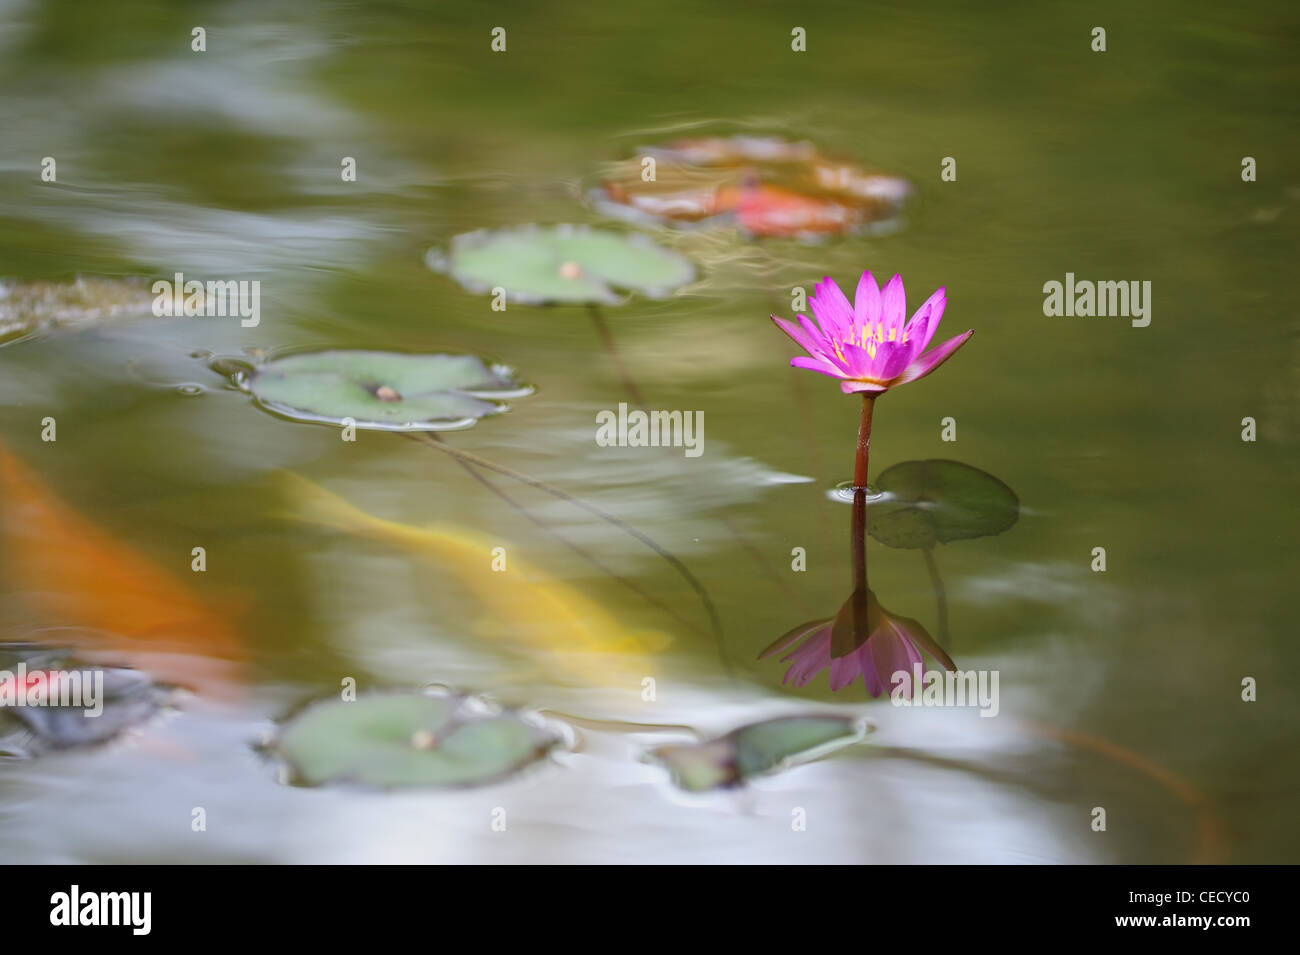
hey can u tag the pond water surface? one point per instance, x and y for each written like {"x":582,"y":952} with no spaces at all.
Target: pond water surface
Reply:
{"x":1120,"y":689}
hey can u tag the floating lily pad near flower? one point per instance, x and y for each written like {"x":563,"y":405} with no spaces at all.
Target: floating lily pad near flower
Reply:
{"x":561,"y":265}
{"x":769,"y":186}
{"x":753,"y":750}
{"x":28,"y":308}
{"x":384,"y":391}
{"x":405,"y":739}
{"x":938,"y":501}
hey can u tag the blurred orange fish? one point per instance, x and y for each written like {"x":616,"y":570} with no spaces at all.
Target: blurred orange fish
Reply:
{"x":114,"y":602}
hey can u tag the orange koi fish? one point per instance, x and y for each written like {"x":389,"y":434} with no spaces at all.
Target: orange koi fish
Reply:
{"x":99,"y":596}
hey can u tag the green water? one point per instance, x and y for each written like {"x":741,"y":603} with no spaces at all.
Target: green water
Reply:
{"x":1122,"y":165}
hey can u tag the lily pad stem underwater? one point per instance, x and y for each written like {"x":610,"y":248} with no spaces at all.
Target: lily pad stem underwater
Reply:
{"x":715,"y":621}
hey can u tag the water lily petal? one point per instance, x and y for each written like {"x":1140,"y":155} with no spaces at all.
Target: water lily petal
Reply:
{"x":844,"y":670}
{"x":866,"y":301}
{"x":893,"y":308}
{"x":889,"y":653}
{"x":824,"y":347}
{"x":833,"y":311}
{"x":810,"y":342}
{"x":815,"y":333}
{"x":791,"y":636}
{"x":892,"y":358}
{"x":819,"y":365}
{"x":820,"y":640}
{"x":921,"y":638}
{"x":932,"y":359}
{"x":925,"y":321}
{"x":870,"y":678}
{"x":810,"y":659}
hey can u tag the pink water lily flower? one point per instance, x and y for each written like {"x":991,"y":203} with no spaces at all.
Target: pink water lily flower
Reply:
{"x":870,"y":345}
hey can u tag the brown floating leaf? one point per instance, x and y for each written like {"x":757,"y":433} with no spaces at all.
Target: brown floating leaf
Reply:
{"x":768,"y":186}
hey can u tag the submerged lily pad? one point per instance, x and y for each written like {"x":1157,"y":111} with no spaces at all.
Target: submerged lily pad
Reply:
{"x":28,"y":308}
{"x":118,"y":698}
{"x":404,"y":739}
{"x":387,"y":391}
{"x":562,"y":264}
{"x":752,"y":750}
{"x":766,"y":185}
{"x":937,"y":501}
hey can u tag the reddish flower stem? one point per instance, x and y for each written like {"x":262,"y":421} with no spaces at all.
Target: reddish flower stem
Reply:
{"x":860,"y":540}
{"x":859,"y":534}
{"x":864,"y":442}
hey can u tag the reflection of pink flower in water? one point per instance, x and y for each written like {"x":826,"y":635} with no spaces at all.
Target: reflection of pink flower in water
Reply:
{"x":891,"y":644}
{"x":870,"y":345}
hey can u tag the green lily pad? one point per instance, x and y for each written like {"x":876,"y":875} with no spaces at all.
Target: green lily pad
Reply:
{"x":937,"y":501}
{"x":386,"y":391}
{"x":404,"y":739}
{"x":566,"y":265}
{"x":752,"y":750}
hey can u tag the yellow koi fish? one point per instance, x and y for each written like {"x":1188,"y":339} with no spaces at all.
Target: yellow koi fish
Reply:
{"x":570,"y":634}
{"x":85,"y":589}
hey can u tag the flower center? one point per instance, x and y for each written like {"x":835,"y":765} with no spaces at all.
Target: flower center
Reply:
{"x":868,"y":337}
